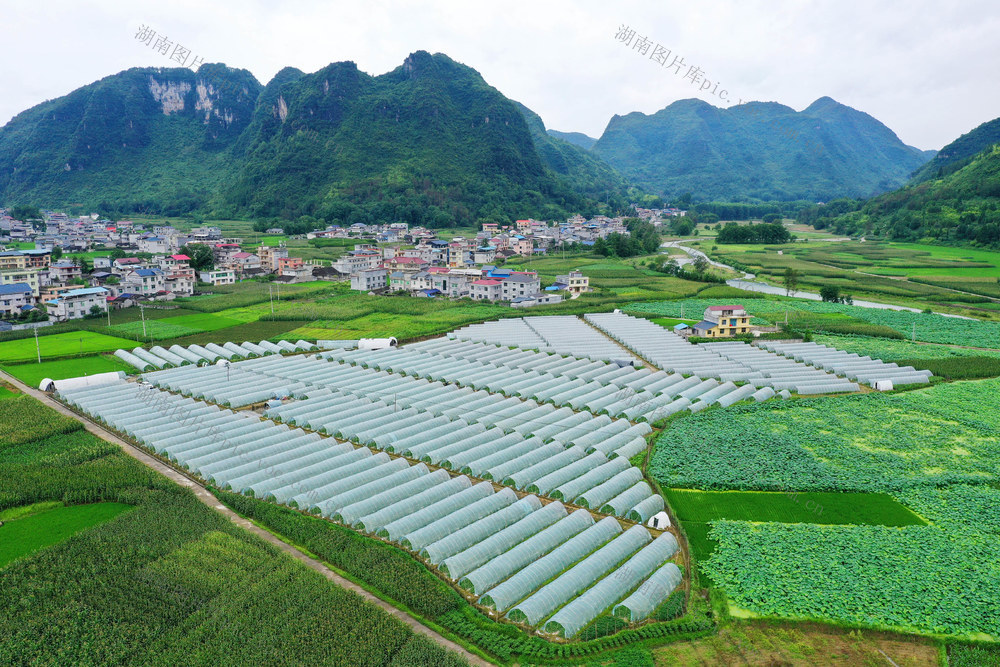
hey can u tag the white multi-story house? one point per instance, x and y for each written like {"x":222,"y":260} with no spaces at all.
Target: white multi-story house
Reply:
{"x":218,"y":277}
{"x":77,"y":303}
{"x":369,"y":280}
{"x":485,"y":289}
{"x":358,"y":260}
{"x":519,"y":284}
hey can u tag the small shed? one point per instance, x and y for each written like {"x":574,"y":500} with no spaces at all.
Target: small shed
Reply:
{"x":659,"y":521}
{"x":377,"y":343}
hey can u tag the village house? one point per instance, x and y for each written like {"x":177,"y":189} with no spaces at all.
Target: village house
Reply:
{"x":218,"y":277}
{"x":14,"y":299}
{"x":723,"y":322}
{"x":144,"y":281}
{"x":573,"y":282}
{"x":178,"y":275}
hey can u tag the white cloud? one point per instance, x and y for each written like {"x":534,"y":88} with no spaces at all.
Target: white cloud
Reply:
{"x":926,"y":69}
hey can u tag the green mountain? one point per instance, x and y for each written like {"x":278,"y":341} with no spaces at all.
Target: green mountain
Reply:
{"x":576,"y":138}
{"x":960,"y":152}
{"x":962,"y":206}
{"x":144,"y":139}
{"x":429,"y":142}
{"x":758,"y":151}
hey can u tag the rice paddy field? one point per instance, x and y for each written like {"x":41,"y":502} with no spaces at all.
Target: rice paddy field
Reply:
{"x":60,"y":369}
{"x":61,"y":345}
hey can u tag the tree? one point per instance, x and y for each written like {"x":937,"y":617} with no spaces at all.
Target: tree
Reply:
{"x":791,"y":281}
{"x":701,"y":264}
{"x":95,"y":311}
{"x":830,"y":293}
{"x":57,"y":253}
{"x":682,"y":227}
{"x":201,"y":256}
{"x":113,"y":280}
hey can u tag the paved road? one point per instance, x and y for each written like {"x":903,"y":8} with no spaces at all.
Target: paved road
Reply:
{"x":205,"y":496}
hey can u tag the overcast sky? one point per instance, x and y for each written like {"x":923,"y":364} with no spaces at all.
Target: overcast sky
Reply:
{"x":927,"y":69}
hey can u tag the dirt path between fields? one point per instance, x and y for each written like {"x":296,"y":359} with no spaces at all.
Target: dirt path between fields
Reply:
{"x":205,"y":496}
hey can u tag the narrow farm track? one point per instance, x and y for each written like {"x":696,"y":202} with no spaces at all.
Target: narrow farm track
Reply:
{"x":205,"y":496}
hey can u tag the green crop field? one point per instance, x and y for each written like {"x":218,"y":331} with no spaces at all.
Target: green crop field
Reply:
{"x":863,"y":442}
{"x":793,"y":507}
{"x":671,"y":322}
{"x":23,"y":419}
{"x":33,"y":373}
{"x":6,"y":391}
{"x":893,"y":350}
{"x":37,"y":531}
{"x":696,"y":510}
{"x":61,"y":345}
{"x":847,"y":557}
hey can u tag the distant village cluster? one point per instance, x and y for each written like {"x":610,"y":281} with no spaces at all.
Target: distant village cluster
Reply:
{"x":147,"y":262}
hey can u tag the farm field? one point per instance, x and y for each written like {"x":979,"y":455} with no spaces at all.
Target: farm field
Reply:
{"x":169,"y":581}
{"x":61,"y":344}
{"x":924,"y":448}
{"x":27,"y":535}
{"x":23,"y":419}
{"x":865,"y":442}
{"x":696,"y":510}
{"x":671,"y":322}
{"x":6,"y":391}
{"x":174,"y":327}
{"x":765,"y":644}
{"x":910,"y":274}
{"x":33,"y":373}
{"x":893,"y":350}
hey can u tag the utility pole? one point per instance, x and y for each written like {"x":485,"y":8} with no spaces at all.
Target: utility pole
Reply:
{"x":142,"y":314}
{"x":38,"y":350}
{"x":270,"y":293}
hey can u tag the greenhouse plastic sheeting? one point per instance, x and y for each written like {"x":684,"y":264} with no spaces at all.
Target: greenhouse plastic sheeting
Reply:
{"x":479,"y":530}
{"x":465,"y":561}
{"x":606,"y":592}
{"x":396,"y":529}
{"x":528,"y":551}
{"x":579,"y":577}
{"x":458,"y":519}
{"x":505,"y":594}
{"x":650,"y":594}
